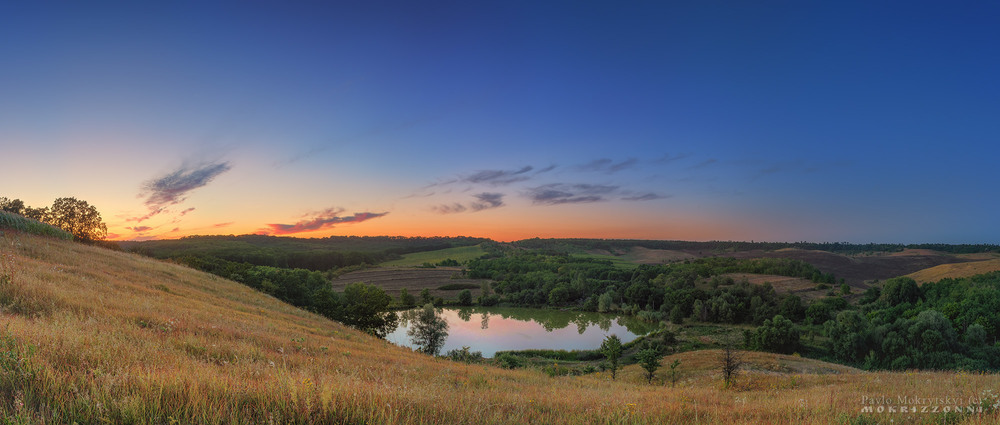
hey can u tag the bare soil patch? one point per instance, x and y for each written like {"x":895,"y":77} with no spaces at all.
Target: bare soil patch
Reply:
{"x":392,"y":280}
{"x":642,"y":255}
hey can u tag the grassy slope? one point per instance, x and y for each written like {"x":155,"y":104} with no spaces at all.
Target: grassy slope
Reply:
{"x":124,"y":339}
{"x":460,"y":254}
{"x":936,"y":273}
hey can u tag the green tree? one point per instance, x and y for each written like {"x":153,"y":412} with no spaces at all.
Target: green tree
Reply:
{"x":15,"y":206}
{"x":77,"y":217}
{"x":676,"y":315}
{"x":674,"y":374}
{"x":612,"y":350}
{"x":425,"y":296}
{"x":465,"y":297}
{"x":900,"y":290}
{"x":366,"y":307}
{"x":405,"y":299}
{"x":605,"y":302}
{"x":428,"y":331}
{"x":649,"y":359}
{"x":777,"y":334}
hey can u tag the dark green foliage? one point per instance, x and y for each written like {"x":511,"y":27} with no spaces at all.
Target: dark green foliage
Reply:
{"x":448,"y":262}
{"x":465,"y":297}
{"x":425,"y":296}
{"x":777,"y":335}
{"x":366,"y":307}
{"x":900,"y":290}
{"x":464,"y":355}
{"x":649,"y":359}
{"x":428,"y":331}
{"x":676,"y":315}
{"x":508,"y":360}
{"x":612,"y":350}
{"x":558,"y":355}
{"x":405,"y":299}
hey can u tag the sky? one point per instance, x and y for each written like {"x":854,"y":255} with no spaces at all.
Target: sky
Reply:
{"x":684,"y":120}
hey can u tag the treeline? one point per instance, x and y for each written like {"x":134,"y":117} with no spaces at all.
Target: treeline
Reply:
{"x":950,"y":324}
{"x":532,"y":278}
{"x":577,"y":245}
{"x":318,"y":254}
{"x":362,"y":306}
{"x":72,"y":215}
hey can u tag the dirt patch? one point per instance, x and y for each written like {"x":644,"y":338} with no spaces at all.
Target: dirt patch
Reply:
{"x":392,"y":280}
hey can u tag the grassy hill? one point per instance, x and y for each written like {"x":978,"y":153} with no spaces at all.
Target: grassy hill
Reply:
{"x":460,"y":254}
{"x":959,"y":270}
{"x":90,"y":336}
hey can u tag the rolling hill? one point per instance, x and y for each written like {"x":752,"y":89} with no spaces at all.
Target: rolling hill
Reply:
{"x":89,"y":335}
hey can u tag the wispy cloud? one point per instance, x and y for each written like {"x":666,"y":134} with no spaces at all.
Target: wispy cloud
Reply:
{"x":172,"y":188}
{"x":221,"y":225}
{"x":322,"y":220}
{"x":484,"y":201}
{"x":560,"y":193}
{"x":607,"y":165}
{"x":140,"y":229}
{"x":498,"y":177}
{"x":650,"y":196}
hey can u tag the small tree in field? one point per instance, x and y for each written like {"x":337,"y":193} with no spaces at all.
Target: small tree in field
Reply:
{"x":77,"y":217}
{"x":649,"y":359}
{"x":730,"y":362}
{"x":425,"y":296}
{"x":673,"y":374}
{"x":612,"y":350}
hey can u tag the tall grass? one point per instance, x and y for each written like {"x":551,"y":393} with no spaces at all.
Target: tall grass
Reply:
{"x":16,"y":222}
{"x":99,"y":336}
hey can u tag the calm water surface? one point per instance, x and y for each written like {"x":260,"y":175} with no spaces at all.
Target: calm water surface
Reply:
{"x":492,"y":329}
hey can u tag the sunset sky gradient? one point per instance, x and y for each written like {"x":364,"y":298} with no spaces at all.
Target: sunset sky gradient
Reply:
{"x":698,"y":120}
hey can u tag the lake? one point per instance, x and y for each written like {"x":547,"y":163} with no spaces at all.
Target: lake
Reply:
{"x":492,"y":329}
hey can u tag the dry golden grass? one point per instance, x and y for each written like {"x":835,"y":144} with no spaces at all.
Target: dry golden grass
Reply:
{"x":957,"y":270}
{"x":95,"y":336}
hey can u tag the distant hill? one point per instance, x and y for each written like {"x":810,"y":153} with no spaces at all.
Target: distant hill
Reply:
{"x":953,"y":271}
{"x":314,"y":254}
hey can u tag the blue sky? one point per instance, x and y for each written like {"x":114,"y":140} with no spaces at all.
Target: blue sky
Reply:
{"x":842,"y":121}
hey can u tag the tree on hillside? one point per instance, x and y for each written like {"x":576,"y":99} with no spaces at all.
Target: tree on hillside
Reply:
{"x":612,"y":350}
{"x":429,"y":331}
{"x":649,"y":359}
{"x":15,"y":206}
{"x":730,"y":362}
{"x":366,"y":307}
{"x":777,"y":335}
{"x":77,"y":217}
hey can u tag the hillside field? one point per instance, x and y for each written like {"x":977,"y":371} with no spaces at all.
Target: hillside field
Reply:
{"x":460,"y":254}
{"x":89,"y":335}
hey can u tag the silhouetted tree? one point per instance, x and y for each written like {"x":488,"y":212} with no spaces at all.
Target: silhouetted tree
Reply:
{"x":77,"y":217}
{"x":730,"y":362}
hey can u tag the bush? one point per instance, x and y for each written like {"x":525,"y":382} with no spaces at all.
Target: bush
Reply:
{"x":508,"y":361}
{"x":464,"y":355}
{"x":465,"y":297}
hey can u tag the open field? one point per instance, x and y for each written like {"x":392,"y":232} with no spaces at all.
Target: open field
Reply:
{"x":96,"y":336}
{"x":392,"y":280}
{"x":804,"y":288}
{"x":936,"y":273}
{"x":856,"y":270}
{"x":460,"y":254}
